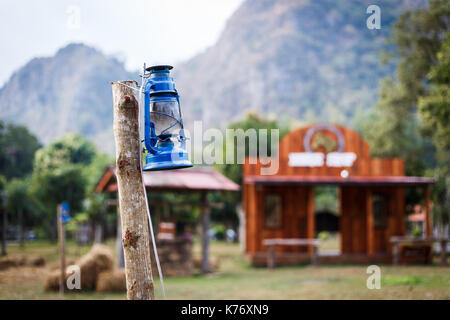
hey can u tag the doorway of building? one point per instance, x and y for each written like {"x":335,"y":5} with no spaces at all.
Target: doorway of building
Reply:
{"x":326,"y":215}
{"x":380,"y":209}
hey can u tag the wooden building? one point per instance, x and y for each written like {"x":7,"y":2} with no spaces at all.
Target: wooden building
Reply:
{"x":370,"y":193}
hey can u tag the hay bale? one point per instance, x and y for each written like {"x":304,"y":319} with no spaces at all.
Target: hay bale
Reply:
{"x":55,"y":264}
{"x":21,"y":260}
{"x":97,"y":260}
{"x":52,"y":281}
{"x":7,"y":262}
{"x":111,"y":281}
{"x":35,"y":261}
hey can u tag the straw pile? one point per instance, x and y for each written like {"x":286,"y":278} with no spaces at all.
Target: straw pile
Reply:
{"x":97,"y":260}
{"x":22,"y":260}
{"x":112,"y":281}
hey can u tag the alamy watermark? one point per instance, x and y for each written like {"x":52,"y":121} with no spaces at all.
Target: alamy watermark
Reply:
{"x":374,"y":20}
{"x":232,"y":146}
{"x":374,"y":280}
{"x":73,"y":17}
{"x":74,"y":279}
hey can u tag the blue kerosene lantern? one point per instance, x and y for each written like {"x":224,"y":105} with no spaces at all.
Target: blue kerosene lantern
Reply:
{"x":164,"y":141}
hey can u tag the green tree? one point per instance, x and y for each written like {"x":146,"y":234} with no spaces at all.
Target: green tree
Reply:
{"x":251,"y":121}
{"x":411,"y":119}
{"x":434,"y":105}
{"x":434,"y":110}
{"x":58,"y":175}
{"x":22,"y":207}
{"x":230,"y":200}
{"x":2,"y":199}
{"x":17,"y":148}
{"x":394,"y":127}
{"x":71,"y":148}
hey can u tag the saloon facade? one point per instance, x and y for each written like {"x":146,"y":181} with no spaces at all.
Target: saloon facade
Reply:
{"x":370,"y":192}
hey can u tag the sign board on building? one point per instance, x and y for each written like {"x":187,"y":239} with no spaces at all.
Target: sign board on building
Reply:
{"x":332,"y":155}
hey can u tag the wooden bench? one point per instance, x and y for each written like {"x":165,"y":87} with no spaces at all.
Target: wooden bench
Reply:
{"x":271,"y":243}
{"x":396,"y":241}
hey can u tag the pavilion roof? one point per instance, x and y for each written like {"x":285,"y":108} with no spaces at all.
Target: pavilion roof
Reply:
{"x":191,"y":179}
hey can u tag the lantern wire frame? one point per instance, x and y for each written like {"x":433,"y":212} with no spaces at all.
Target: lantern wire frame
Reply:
{"x":163,"y":136}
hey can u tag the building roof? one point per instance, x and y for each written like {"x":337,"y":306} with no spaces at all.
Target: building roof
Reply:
{"x":191,"y":179}
{"x":330,"y":180}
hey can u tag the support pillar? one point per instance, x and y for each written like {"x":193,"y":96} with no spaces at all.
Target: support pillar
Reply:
{"x":369,"y":224}
{"x":310,"y":221}
{"x":205,"y":237}
{"x":428,"y":231}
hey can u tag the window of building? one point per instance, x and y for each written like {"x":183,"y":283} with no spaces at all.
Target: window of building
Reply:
{"x":380,"y":211}
{"x":272,"y":211}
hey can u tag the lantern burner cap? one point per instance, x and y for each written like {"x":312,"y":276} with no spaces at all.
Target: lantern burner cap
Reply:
{"x":158,"y":68}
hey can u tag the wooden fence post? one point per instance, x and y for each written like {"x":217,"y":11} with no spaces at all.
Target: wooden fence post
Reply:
{"x":132,"y":202}
{"x":428,"y":227}
{"x":271,"y":257}
{"x":62,"y":249}
{"x":444,"y":252}
{"x":5,"y":221}
{"x":21,"y":228}
{"x":205,"y":236}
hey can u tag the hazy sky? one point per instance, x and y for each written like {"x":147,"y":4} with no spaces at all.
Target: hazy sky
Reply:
{"x":152,"y":31}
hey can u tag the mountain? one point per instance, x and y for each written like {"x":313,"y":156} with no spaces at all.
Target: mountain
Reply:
{"x":69,"y":92}
{"x":297,"y":59}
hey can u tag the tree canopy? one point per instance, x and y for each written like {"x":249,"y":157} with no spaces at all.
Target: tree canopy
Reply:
{"x":394,"y":128}
{"x":17,"y":148}
{"x":412,"y":117}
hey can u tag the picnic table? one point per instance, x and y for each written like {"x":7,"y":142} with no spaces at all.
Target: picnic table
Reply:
{"x":396,"y":241}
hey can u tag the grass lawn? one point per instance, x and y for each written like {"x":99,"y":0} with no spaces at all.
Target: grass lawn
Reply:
{"x":237,"y":280}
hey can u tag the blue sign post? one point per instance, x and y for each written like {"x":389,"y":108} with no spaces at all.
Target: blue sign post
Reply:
{"x":63,"y":216}
{"x":65,"y":212}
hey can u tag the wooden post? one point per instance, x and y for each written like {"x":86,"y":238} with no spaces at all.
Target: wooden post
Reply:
{"x":4,"y":222}
{"x":21,"y":229}
{"x":315,"y":258}
{"x":310,"y":220}
{"x":205,"y":236}
{"x":132,"y":202}
{"x":428,"y":231}
{"x":62,"y":249}
{"x":396,"y":253}
{"x":444,"y":252}
{"x":341,"y":216}
{"x":369,"y":224}
{"x":271,"y":257}
{"x":400,"y":202}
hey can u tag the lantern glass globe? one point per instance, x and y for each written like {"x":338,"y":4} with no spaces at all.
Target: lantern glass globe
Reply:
{"x":166,"y":117}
